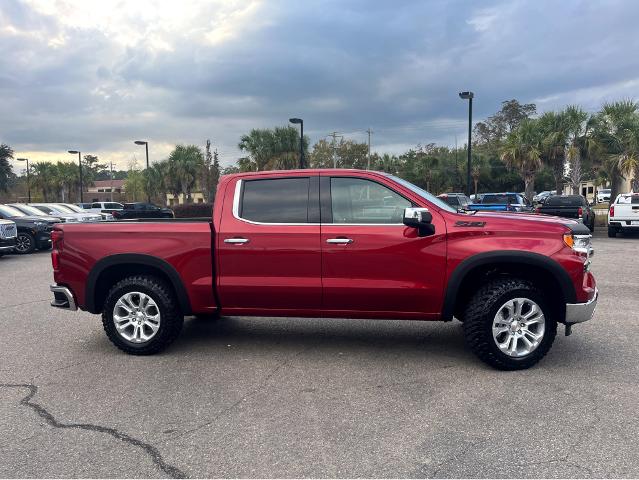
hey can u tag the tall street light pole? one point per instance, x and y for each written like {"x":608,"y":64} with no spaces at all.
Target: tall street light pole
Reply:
{"x":468,"y":96}
{"x":301,"y":122}
{"x":28,"y":180}
{"x":146,"y":148}
{"x":73,"y":152}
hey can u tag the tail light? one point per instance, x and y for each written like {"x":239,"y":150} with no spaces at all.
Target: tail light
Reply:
{"x":57,"y":243}
{"x":612,"y":211}
{"x":580,"y":212}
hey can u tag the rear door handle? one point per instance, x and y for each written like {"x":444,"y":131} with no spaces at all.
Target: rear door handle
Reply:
{"x":238,"y":241}
{"x":340,"y":241}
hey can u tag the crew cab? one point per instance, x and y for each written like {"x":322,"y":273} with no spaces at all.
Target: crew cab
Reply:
{"x":569,"y":206}
{"x":506,"y":202}
{"x":623,"y":214}
{"x":332,"y":243}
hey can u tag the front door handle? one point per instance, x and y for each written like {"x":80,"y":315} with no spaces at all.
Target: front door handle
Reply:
{"x":340,"y":241}
{"x":238,"y":241}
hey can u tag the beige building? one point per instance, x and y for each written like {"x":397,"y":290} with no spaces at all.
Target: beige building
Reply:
{"x":196,"y":197}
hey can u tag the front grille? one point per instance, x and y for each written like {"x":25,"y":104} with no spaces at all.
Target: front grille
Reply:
{"x":8,"y":231}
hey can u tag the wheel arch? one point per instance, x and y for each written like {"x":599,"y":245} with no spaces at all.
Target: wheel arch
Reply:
{"x":461,"y":283}
{"x":109,"y":270}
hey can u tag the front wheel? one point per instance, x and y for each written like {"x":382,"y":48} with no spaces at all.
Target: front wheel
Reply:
{"x":509,"y":325}
{"x":25,"y":243}
{"x":141,"y":316}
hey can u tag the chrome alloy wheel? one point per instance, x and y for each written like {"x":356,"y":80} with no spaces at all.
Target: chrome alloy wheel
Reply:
{"x":136,"y":317}
{"x":518,"y":327}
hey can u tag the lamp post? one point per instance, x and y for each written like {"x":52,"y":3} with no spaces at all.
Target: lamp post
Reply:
{"x":468,"y":96}
{"x":301,"y":122}
{"x":146,"y":148}
{"x":28,"y":181}
{"x":73,"y":152}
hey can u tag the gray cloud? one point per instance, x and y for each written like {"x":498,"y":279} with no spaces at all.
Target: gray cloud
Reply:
{"x":394,"y":66}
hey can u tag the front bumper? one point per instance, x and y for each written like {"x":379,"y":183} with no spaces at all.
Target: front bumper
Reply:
{"x":43,"y":239}
{"x":7,"y":245}
{"x":581,"y":312}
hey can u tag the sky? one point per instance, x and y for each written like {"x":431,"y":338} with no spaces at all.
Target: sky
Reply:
{"x":96,"y":75}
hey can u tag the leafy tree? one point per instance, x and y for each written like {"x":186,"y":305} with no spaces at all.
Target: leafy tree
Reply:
{"x":134,"y":185}
{"x":270,"y":149}
{"x":554,"y":131}
{"x":6,"y":170}
{"x":45,"y":178}
{"x":185,"y":165}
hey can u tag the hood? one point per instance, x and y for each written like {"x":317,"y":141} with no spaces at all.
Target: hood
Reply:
{"x":524,"y":216}
{"x":29,"y":218}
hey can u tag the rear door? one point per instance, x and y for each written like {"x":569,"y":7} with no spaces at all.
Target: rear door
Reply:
{"x":372,"y":264}
{"x":268,"y":245}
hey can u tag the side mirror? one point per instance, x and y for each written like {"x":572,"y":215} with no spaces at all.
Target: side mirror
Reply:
{"x":421,"y":219}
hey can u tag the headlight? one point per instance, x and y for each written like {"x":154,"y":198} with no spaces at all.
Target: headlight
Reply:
{"x":579,"y":243}
{"x":39,"y":224}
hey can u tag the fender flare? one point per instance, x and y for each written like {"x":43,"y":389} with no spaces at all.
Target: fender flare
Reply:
{"x":136,"y":259}
{"x":505,"y":256}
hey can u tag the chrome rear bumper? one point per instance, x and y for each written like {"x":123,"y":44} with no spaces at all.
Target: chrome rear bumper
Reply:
{"x":63,"y":298}
{"x":581,"y":312}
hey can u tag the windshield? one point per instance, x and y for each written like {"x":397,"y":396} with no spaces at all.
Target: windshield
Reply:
{"x":499,"y":199}
{"x":28,"y":209}
{"x":10,"y":211}
{"x":565,"y":201}
{"x":73,"y":208}
{"x":424,"y":194}
{"x":61,"y":209}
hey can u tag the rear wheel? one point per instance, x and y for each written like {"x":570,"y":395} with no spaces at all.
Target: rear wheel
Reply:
{"x":25,"y":243}
{"x":509,"y":325}
{"x":140,"y":315}
{"x":612,"y":232}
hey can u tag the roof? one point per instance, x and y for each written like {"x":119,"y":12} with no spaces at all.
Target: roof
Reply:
{"x":307,"y":171}
{"x":109,"y":183}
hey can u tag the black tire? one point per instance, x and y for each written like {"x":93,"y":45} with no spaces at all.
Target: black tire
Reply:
{"x":25,"y":243}
{"x":480,"y":314}
{"x":612,"y":232}
{"x":171,"y":322}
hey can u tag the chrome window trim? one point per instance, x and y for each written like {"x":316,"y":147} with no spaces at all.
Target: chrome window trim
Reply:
{"x":236,"y":209}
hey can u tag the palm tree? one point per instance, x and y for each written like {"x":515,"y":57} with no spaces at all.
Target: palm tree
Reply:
{"x":185,"y":164}
{"x":6,"y":171}
{"x":67,"y":181}
{"x":554,"y":131}
{"x":522,"y":151}
{"x":157,"y":180}
{"x":612,"y":135}
{"x":270,"y":149}
{"x":45,"y":178}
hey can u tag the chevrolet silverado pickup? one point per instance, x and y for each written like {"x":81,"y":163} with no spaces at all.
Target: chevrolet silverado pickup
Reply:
{"x":332,"y":243}
{"x":623,"y":214}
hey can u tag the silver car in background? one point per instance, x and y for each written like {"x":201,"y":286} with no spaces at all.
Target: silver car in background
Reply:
{"x":60,"y":211}
{"x":77,"y":209}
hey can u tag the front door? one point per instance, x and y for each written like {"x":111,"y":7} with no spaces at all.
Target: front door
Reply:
{"x":268,"y":246}
{"x":373,"y":265}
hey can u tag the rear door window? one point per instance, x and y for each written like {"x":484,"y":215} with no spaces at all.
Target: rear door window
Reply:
{"x":275,"y":200}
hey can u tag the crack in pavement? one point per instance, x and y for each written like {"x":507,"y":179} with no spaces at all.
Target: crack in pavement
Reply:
{"x":244,"y":397}
{"x":149,"y":449}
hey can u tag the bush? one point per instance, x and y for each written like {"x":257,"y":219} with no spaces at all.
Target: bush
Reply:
{"x":193,"y":210}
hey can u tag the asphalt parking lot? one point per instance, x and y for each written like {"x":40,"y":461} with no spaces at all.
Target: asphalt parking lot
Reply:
{"x":243,"y":397}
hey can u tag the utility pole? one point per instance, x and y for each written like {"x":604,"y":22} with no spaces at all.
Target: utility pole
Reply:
{"x":335,"y":136}
{"x":368,"y":164}
{"x":111,"y":181}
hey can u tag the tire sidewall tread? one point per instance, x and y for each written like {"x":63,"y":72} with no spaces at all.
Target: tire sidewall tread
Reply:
{"x":171,"y":318}
{"x":480,"y":314}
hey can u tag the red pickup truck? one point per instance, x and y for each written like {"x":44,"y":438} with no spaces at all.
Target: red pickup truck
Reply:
{"x":332,"y":243}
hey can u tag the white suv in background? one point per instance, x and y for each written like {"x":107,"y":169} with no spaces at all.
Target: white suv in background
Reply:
{"x":603,"y":195}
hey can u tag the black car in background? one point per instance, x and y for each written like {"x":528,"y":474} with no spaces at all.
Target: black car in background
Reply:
{"x":569,"y":206}
{"x":33,"y":232}
{"x":142,"y":210}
